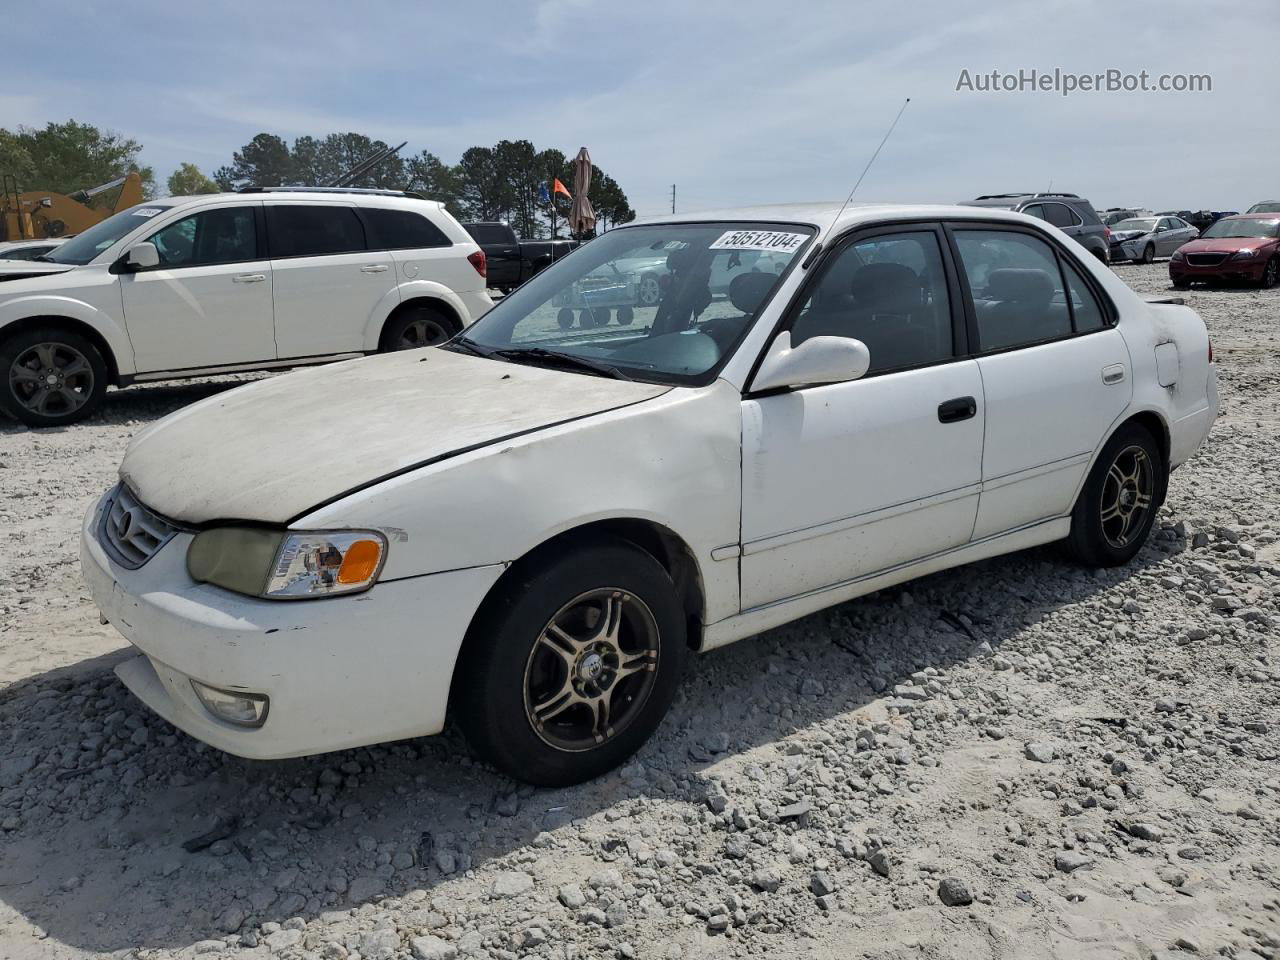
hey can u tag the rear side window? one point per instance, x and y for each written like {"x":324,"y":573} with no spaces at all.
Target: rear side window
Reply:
{"x":1086,"y":312}
{"x":224,"y":235}
{"x":489,"y":233}
{"x":401,"y":230}
{"x":1060,"y":215}
{"x":890,"y":292}
{"x":1016,"y":288}
{"x":301,"y":231}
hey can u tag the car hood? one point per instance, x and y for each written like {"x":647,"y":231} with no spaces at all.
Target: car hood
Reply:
{"x":1225,"y":244}
{"x":1123,"y":235}
{"x":271,"y":451}
{"x":20,"y":269}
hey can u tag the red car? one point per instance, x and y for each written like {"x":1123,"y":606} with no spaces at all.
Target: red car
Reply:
{"x":1243,"y":247}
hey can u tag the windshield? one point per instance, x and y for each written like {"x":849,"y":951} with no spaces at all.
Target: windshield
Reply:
{"x":80,"y":250}
{"x":1243,"y":228}
{"x":1271,"y":206}
{"x":665,"y":303}
{"x":1145,"y":225}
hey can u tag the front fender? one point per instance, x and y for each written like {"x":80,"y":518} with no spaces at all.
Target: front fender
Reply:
{"x":410,"y":290}
{"x":52,"y":305}
{"x":674,"y":461}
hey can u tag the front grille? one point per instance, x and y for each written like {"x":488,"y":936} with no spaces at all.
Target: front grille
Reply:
{"x":130,"y":532}
{"x":1205,"y":259}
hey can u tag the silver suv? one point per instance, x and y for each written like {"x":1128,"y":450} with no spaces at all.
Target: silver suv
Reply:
{"x":1071,"y":214}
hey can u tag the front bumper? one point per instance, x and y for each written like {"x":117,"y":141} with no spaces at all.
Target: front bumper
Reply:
{"x":1229,"y":269}
{"x":340,"y":672}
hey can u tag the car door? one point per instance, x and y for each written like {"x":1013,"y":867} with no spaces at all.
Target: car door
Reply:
{"x":1055,"y":371}
{"x":845,"y":479}
{"x":208,"y":302}
{"x":328,"y":285}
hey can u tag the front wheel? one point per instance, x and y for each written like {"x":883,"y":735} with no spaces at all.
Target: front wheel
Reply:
{"x":1117,"y":506}
{"x":572,"y":665}
{"x":51,"y":377}
{"x":1149,"y":253}
{"x":1270,"y":274}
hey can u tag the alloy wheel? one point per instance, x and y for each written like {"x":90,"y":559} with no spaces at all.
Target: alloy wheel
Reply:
{"x":1128,"y":492}
{"x":422,"y":333}
{"x":650,"y":290}
{"x":51,"y":379}
{"x":591,"y":669}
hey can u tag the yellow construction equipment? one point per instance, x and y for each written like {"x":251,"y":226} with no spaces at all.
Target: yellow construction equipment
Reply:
{"x":37,"y":214}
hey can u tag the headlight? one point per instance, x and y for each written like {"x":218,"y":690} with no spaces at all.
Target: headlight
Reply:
{"x":1245,"y":254}
{"x":1178,"y":255}
{"x":278,"y":564}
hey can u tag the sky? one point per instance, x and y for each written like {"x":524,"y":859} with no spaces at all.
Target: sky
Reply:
{"x":733,"y":101}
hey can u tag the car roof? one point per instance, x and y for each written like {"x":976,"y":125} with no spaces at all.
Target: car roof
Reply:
{"x":824,"y":215}
{"x":373,"y":198}
{"x":1261,"y":214}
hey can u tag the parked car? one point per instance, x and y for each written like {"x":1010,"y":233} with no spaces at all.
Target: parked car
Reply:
{"x":1245,"y":247}
{"x":549,"y":521}
{"x":256,"y":280}
{"x":1071,"y":214}
{"x":1203,"y":219}
{"x":29,"y":249}
{"x":511,"y":260}
{"x":1114,"y":215}
{"x":1145,"y":238}
{"x":1267,"y":206}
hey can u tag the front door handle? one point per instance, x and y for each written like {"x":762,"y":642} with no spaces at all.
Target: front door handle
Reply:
{"x":374,"y":268}
{"x":961,"y":408}
{"x":249,"y":278}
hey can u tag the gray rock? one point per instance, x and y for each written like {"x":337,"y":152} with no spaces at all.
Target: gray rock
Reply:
{"x":954,"y":892}
{"x":768,"y":879}
{"x":432,"y":948}
{"x":1069,"y":861}
{"x":881,"y":863}
{"x":511,"y":883}
{"x":380,"y":944}
{"x":362,"y":889}
{"x":1039,"y":752}
{"x":821,"y":884}
{"x":572,"y":897}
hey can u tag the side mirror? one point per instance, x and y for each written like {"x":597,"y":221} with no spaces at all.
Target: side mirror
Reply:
{"x":142,"y":256}
{"x":817,"y":360}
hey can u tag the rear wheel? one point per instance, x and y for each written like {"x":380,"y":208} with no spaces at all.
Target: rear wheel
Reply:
{"x":417,"y":326}
{"x":650,"y":291}
{"x":51,"y":377}
{"x":1270,"y":274}
{"x":1117,"y":506}
{"x":573,"y":664}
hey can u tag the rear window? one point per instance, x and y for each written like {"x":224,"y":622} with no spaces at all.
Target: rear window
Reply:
{"x":302,"y":231}
{"x":401,"y":230}
{"x":489,"y":232}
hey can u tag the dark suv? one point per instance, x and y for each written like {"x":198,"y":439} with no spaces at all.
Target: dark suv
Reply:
{"x":1069,"y":213}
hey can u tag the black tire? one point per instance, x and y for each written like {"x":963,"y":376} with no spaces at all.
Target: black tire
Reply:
{"x":417,"y":326}
{"x":625,"y":315}
{"x":564,"y":318}
{"x":509,"y":642}
{"x":1181,"y":284}
{"x":27,"y":362}
{"x":601,"y":316}
{"x":1149,"y":253}
{"x":1270,"y":274}
{"x":1097,"y":540}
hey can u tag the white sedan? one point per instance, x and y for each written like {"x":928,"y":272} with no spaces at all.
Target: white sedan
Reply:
{"x":533,"y":526}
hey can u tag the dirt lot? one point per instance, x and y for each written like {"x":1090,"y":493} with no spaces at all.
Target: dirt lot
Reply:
{"x":1015,"y":759}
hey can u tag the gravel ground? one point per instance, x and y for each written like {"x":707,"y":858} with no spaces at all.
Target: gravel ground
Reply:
{"x":1015,"y":759}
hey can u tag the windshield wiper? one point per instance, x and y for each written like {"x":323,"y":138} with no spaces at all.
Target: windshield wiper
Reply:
{"x":462,"y":343}
{"x":539,"y":356}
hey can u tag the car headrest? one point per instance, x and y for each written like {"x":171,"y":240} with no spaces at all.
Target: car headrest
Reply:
{"x":1026,"y":285}
{"x":748,"y":290}
{"x":885,"y":284}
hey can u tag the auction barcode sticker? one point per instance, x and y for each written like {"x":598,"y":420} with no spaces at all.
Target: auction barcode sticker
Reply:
{"x":760,"y":240}
{"x":147,"y":211}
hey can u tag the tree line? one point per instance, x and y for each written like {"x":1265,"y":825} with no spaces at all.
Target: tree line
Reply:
{"x":501,"y":182}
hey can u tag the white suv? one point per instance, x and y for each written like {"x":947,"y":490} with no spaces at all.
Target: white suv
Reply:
{"x":261,"y":279}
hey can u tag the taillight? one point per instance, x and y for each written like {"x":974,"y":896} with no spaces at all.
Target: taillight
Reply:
{"x":1106,"y":232}
{"x":477,"y":260}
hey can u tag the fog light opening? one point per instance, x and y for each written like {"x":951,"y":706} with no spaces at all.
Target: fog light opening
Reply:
{"x":242,"y":709}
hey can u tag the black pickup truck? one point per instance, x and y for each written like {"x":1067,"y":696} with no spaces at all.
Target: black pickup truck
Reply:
{"x":511,"y":261}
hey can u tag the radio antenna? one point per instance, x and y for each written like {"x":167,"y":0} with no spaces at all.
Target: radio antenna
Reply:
{"x":849,"y":199}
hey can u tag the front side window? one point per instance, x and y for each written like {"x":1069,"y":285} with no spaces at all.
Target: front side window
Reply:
{"x":1016,"y":287}
{"x":224,"y":235}
{"x":664,"y":303}
{"x":1035,"y":210}
{"x":295,"y":230}
{"x":401,"y":230}
{"x":890,"y":292}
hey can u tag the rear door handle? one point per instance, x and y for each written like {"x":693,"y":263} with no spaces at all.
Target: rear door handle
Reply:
{"x":961,"y":408}
{"x":374,"y":268}
{"x":1113,"y":373}
{"x":249,"y":278}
